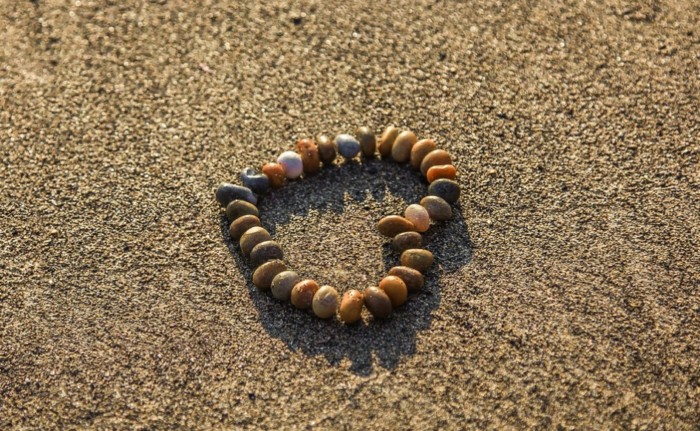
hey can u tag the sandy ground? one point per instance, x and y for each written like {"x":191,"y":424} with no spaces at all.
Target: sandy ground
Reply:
{"x":566,"y":294}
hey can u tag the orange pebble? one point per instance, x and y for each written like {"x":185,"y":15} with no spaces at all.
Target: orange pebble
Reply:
{"x":395,"y":289}
{"x":275,"y":172}
{"x":309,"y":156}
{"x":441,"y":171}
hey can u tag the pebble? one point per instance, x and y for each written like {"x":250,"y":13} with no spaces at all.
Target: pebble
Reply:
{"x":227,"y":192}
{"x":292,"y":164}
{"x":266,"y":250}
{"x":417,"y":258}
{"x":437,"y":208}
{"x":238,"y":208}
{"x":406,"y":240}
{"x":395,"y":289}
{"x":242,"y":224}
{"x":275,"y":172}
{"x":441,"y":171}
{"x":350,"y":310}
{"x":325,"y":302}
{"x":326,"y":149}
{"x":310,"y":159}
{"x":377,"y":302}
{"x":386,"y":141}
{"x":401,"y":150}
{"x":263,"y":276}
{"x":414,"y":279}
{"x":368,"y":142}
{"x":283,"y":283}
{"x":255,"y":181}
{"x":303,"y":294}
{"x":420,"y":150}
{"x":393,"y":225}
{"x":348,"y":146}
{"x":419,"y":216}
{"x":252,"y":237}
{"x":435,"y":158}
{"x":446,"y":189}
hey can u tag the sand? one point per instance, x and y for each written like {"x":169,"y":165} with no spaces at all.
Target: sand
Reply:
{"x":566,"y":289}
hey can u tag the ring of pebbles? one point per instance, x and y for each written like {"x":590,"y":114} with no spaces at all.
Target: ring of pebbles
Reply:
{"x":266,"y":256}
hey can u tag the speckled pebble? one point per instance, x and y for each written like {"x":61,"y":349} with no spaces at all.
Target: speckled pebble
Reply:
{"x":310,"y":159}
{"x":350,"y":310}
{"x":292,"y":164}
{"x":283,"y":283}
{"x":238,"y":208}
{"x":302,"y":296}
{"x":242,"y":224}
{"x":406,"y":240}
{"x":414,"y":279}
{"x":446,"y":189}
{"x":377,"y":302}
{"x":255,"y":181}
{"x":263,"y":276}
{"x":420,"y":150}
{"x":417,"y":215}
{"x":227,"y":192}
{"x":326,"y":149}
{"x":348,"y":146}
{"x":368,"y":142}
{"x":251,"y":238}
{"x":266,"y":250}
{"x":275,"y":172}
{"x":395,"y":289}
{"x":401,"y":150}
{"x":393,"y":225}
{"x":418,"y":259}
{"x":438,"y":208}
{"x":325,"y":302}
{"x":387,"y":140}
{"x":435,"y":158}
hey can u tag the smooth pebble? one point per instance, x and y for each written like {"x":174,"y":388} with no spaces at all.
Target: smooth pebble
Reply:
{"x":228,"y":192}
{"x":263,"y":276}
{"x":406,"y":240}
{"x":348,"y":146}
{"x":441,"y":171}
{"x":414,"y":279}
{"x":435,"y":158}
{"x":292,"y":164}
{"x":255,"y":181}
{"x":326,"y":149}
{"x":325,"y":302}
{"x":266,"y":250}
{"x":393,"y":225}
{"x":310,"y":159}
{"x":417,"y":215}
{"x":350,"y":310}
{"x":368,"y":142}
{"x":446,"y":189}
{"x":437,"y":207}
{"x":283,"y":283}
{"x":395,"y":289}
{"x":420,"y":150}
{"x":417,"y":258}
{"x":377,"y":302}
{"x":242,"y":224}
{"x":238,"y":208}
{"x":252,"y":237}
{"x":386,"y":141}
{"x":401,"y":150}
{"x":303,"y":294}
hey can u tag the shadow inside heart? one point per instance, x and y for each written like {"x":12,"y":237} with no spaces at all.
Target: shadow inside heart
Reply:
{"x":326,"y":225}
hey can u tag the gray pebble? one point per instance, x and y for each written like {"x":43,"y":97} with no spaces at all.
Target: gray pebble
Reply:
{"x":283,"y":283}
{"x":348,"y":146}
{"x":228,"y":192}
{"x":446,"y":189}
{"x":255,"y":181}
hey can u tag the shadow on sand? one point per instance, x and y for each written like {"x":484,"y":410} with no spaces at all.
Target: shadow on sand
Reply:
{"x":386,"y":340}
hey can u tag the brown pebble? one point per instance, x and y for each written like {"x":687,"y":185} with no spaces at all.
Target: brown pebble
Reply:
{"x":418,"y":259}
{"x":395,"y":289}
{"x":303,"y":294}
{"x":406,"y":240}
{"x":350,"y":310}
{"x":326,"y":149}
{"x":419,"y":216}
{"x":325,"y":302}
{"x":263,"y":276}
{"x":275,"y":172}
{"x":393,"y":225}
{"x":414,"y":280}
{"x":387,"y":140}
{"x":266,"y":250}
{"x":377,"y":302}
{"x":238,"y":208}
{"x":401,"y":150}
{"x":283,"y":283}
{"x":252,"y":237}
{"x":309,"y":156}
{"x":420,"y":150}
{"x":441,"y":171}
{"x":437,"y":207}
{"x":435,"y":158}
{"x":242,"y":224}
{"x":367,"y":140}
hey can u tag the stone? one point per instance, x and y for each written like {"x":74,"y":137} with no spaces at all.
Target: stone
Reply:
{"x":350,"y":310}
{"x":238,"y":208}
{"x":275,"y":172}
{"x":419,"y":216}
{"x":437,"y":207}
{"x":446,"y":189}
{"x":283,"y":283}
{"x":393,"y":225}
{"x":401,"y":150}
{"x":242,"y":224}
{"x":395,"y":289}
{"x":310,"y":158}
{"x":377,"y":302}
{"x":325,"y":302}
{"x":406,"y":240}
{"x":292,"y":164}
{"x":326,"y":149}
{"x":414,"y":279}
{"x":255,"y":181}
{"x":303,"y":294}
{"x":368,"y":142}
{"x":435,"y":158}
{"x":386,"y":141}
{"x":441,"y":171}
{"x":263,"y":276}
{"x":416,"y":258}
{"x":266,"y":250}
{"x":228,"y":192}
{"x":348,"y":146}
{"x":420,"y":150}
{"x":251,"y":238}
